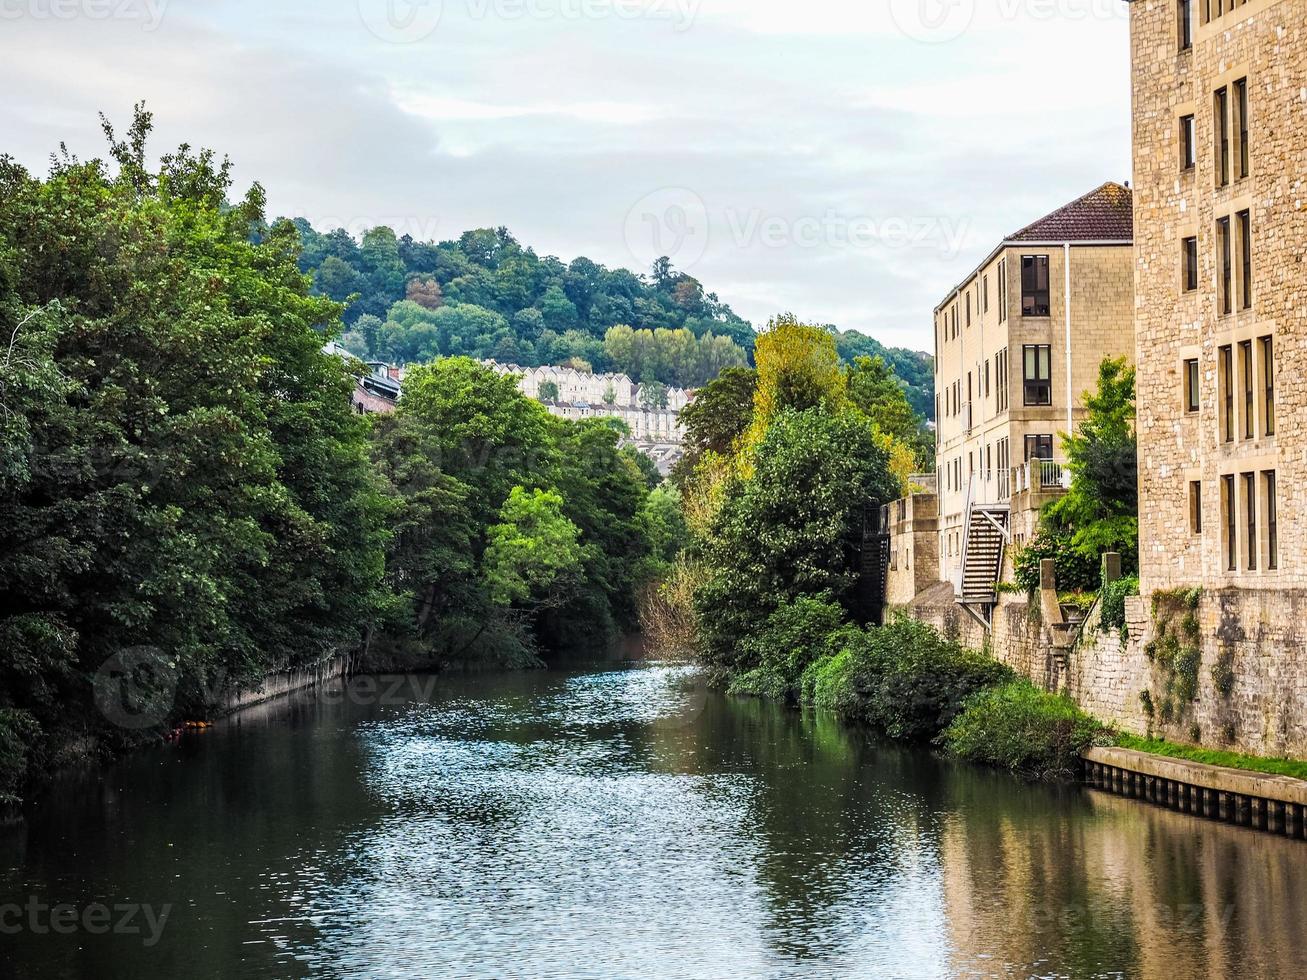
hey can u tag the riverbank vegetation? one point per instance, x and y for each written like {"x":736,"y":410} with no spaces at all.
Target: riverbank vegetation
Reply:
{"x":782,"y":483}
{"x":189,"y":503}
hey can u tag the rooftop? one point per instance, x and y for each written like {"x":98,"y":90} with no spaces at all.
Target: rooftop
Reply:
{"x":1105,"y":214}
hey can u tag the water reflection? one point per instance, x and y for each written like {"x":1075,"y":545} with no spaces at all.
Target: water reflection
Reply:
{"x":627,"y":823}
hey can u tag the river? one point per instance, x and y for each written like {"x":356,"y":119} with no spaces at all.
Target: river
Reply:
{"x":616,"y":822}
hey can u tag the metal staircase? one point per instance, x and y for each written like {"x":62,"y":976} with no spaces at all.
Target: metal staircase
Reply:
{"x":983,"y":545}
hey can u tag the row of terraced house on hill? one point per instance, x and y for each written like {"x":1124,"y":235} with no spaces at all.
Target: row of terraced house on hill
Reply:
{"x":1197,"y":275}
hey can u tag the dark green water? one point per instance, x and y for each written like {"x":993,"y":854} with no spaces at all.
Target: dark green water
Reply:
{"x":619,"y":823}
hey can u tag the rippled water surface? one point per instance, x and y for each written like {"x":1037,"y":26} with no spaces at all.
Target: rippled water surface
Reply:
{"x":623,"y":823}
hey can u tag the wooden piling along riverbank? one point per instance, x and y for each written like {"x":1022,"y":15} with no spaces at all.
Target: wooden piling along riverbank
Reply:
{"x":1276,"y":804}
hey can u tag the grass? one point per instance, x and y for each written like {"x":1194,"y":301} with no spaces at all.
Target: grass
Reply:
{"x":1215,"y":757}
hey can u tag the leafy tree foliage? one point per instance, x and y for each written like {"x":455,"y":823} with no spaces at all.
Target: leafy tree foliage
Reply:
{"x":1100,"y":511}
{"x":516,"y":306}
{"x":532,"y":550}
{"x":183,"y":471}
{"x":788,"y":528}
{"x":516,"y":531}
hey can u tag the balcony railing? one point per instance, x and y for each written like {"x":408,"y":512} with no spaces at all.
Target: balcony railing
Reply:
{"x":1041,"y":476}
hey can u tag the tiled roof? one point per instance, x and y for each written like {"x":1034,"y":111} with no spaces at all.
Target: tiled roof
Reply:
{"x":1104,"y":214}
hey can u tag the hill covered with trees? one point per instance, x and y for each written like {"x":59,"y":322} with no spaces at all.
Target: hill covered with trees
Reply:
{"x":486,"y":295}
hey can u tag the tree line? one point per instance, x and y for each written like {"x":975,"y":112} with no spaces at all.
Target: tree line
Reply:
{"x":188,"y":502}
{"x":485,"y":295}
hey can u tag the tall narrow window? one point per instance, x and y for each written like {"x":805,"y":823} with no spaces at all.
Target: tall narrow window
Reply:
{"x":1268,"y":385}
{"x":1250,"y":508}
{"x":1037,"y":374}
{"x":1246,"y":363}
{"x":1244,"y":219}
{"x":1272,"y":529}
{"x":1189,"y":257}
{"x":1224,"y":299}
{"x":986,"y":395}
{"x":1186,"y":24}
{"x":1000,"y":380}
{"x":1196,"y":507}
{"x":1221,"y":120}
{"x":1002,"y":290}
{"x":1188,"y":143}
{"x":1191,"y":385}
{"x":1241,"y":127}
{"x":1231,"y":532}
{"x":984,"y":292}
{"x":1034,"y":285}
{"x":968,"y":309}
{"x":1227,"y":393}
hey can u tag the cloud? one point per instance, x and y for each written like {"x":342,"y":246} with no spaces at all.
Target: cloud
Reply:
{"x":848,"y":172}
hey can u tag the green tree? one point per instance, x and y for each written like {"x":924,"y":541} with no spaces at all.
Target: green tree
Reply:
{"x":548,"y":391}
{"x":1101,"y":508}
{"x":532,"y":551}
{"x":784,"y":531}
{"x":192,"y":477}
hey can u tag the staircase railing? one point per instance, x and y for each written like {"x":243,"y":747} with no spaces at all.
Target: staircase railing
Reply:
{"x":961,"y":571}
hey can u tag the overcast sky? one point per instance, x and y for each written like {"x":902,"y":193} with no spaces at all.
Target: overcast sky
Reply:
{"x":847,"y":160}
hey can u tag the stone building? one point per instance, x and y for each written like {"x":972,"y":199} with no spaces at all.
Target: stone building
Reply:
{"x":1013,"y":359}
{"x":1220,"y":107}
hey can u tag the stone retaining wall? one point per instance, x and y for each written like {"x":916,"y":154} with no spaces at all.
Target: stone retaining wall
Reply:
{"x":1250,"y":681}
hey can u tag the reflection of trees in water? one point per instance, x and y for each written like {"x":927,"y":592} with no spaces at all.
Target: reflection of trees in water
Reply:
{"x":842,"y":825}
{"x":853,"y":836}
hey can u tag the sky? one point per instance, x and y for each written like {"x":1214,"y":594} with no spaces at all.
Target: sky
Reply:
{"x":845,"y":160}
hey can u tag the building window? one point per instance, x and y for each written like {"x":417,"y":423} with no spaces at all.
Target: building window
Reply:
{"x":1227,"y":392}
{"x":1000,"y":379}
{"x":1272,"y":529}
{"x":1034,"y":285}
{"x":968,"y":309}
{"x":1231,"y":533}
{"x":1037,"y":374}
{"x":1196,"y":507}
{"x":1188,"y":143}
{"x":1002,"y":290}
{"x":1241,"y":127}
{"x":1191,"y":385}
{"x":1268,"y":385}
{"x":984,"y":292}
{"x":1224,"y":299}
{"x":1186,"y":24}
{"x":1221,"y":122}
{"x":1250,"y":506}
{"x":1246,"y":363}
{"x":1189,"y":258}
{"x":1245,"y":224}
{"x":986,"y":395}
{"x":1039,"y":447}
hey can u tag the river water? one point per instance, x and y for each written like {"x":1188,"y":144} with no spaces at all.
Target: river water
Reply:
{"x":617,"y":822}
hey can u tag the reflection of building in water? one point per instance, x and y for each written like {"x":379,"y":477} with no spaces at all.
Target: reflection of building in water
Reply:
{"x":1103,"y":885}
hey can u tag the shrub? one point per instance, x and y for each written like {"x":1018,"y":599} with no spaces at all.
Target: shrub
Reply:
{"x":1075,"y":572}
{"x":798,"y":633}
{"x":902,"y":678}
{"x":1113,"y":607}
{"x":1027,"y":731}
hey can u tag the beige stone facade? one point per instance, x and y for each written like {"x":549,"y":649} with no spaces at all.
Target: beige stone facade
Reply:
{"x":912,"y":524}
{"x":1220,"y":164}
{"x":1004,"y":345}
